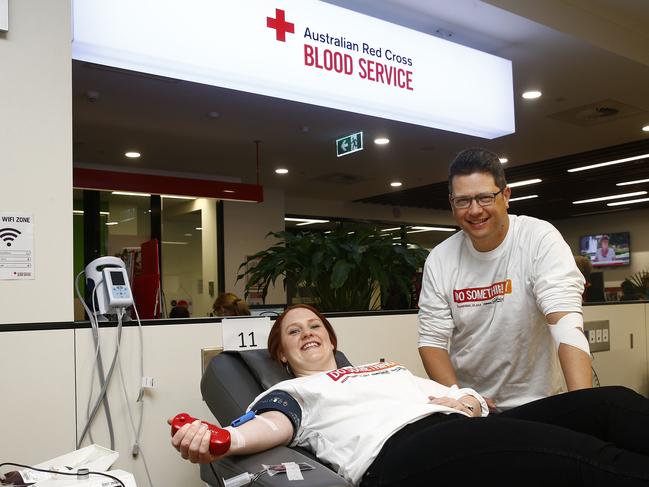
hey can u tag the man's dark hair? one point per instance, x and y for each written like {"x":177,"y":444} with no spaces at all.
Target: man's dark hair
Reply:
{"x":474,"y":160}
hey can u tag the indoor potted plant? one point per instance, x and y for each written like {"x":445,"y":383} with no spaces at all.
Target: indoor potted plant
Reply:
{"x":348,"y":269}
{"x":636,"y":286}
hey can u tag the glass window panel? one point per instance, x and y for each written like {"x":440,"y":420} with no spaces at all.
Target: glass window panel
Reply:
{"x":189,"y":255}
{"x":128,"y":222}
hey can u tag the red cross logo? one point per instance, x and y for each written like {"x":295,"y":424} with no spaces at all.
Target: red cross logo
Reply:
{"x":280,"y":25}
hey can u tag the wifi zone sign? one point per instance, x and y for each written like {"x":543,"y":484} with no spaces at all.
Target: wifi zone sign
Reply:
{"x":8,"y":235}
{"x":16,"y":246}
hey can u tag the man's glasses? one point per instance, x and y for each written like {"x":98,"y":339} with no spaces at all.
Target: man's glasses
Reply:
{"x":483,"y":199}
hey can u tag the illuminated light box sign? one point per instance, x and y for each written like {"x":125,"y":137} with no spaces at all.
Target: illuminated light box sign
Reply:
{"x":306,"y":51}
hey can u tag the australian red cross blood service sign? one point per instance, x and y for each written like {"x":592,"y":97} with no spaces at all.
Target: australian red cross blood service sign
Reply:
{"x":307,"y":51}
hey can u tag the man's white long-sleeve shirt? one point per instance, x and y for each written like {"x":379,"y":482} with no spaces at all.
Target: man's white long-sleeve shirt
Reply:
{"x":488,"y":309}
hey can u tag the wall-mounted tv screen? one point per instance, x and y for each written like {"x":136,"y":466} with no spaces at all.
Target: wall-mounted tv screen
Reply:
{"x":606,"y":249}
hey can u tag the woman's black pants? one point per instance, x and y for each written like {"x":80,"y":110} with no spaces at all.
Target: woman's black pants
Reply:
{"x":589,"y":437}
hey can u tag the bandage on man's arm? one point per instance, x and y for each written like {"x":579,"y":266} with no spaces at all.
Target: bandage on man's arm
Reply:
{"x":567,"y":331}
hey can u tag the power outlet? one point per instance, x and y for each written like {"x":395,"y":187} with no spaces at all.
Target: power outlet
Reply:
{"x":591,"y":335}
{"x":598,"y":335}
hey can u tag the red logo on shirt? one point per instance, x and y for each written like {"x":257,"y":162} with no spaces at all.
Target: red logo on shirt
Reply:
{"x":365,"y":369}
{"x":487,"y":293}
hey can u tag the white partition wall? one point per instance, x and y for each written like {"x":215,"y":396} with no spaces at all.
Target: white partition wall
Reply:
{"x":366,"y":339}
{"x":36,"y":154}
{"x":172,"y":358}
{"x":245,"y":226}
{"x":45,"y":377}
{"x":50,"y":391}
{"x":37,"y":384}
{"x":626,"y":362}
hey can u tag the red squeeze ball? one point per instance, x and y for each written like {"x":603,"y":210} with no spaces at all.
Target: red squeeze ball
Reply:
{"x":220,"y":440}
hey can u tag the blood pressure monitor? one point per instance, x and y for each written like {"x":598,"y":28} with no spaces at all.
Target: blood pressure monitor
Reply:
{"x":118,"y":289}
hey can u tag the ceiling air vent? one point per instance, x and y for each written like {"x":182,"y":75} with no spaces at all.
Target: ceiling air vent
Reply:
{"x":596,"y":113}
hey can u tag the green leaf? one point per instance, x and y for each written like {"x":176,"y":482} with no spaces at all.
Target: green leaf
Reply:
{"x":339,"y":273}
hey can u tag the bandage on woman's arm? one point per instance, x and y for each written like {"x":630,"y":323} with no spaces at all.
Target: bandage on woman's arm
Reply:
{"x":265,"y":431}
{"x":277,"y":419}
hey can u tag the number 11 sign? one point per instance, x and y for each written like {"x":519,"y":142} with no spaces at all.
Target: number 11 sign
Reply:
{"x":240,"y":334}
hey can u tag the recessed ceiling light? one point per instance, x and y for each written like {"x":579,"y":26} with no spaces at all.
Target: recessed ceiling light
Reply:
{"x":396,"y":184}
{"x":128,"y":193}
{"x":637,"y":181}
{"x":381,"y":141}
{"x":529,"y":197}
{"x":228,"y":191}
{"x":645,"y":128}
{"x":281,"y":170}
{"x":523,"y":183}
{"x":132,"y":154}
{"x":531,"y":95}
{"x":612,"y":197}
{"x":629,"y":202}
{"x":503,"y":160}
{"x":609,"y":163}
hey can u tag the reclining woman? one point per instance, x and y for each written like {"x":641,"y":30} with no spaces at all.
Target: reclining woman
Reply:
{"x":380,"y":425}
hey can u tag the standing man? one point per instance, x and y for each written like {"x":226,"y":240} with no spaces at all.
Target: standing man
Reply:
{"x":500,"y":305}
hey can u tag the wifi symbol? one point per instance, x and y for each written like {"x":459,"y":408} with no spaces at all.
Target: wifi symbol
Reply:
{"x":9,"y":235}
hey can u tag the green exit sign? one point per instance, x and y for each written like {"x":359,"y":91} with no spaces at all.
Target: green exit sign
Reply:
{"x":348,"y":144}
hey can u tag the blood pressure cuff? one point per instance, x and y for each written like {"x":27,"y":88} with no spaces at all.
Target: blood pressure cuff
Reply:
{"x":284,"y":403}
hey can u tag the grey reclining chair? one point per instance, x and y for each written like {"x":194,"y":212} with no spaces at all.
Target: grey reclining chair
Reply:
{"x":230,"y":383}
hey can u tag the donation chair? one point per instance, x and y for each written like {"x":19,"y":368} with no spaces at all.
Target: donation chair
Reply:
{"x":230,"y":383}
